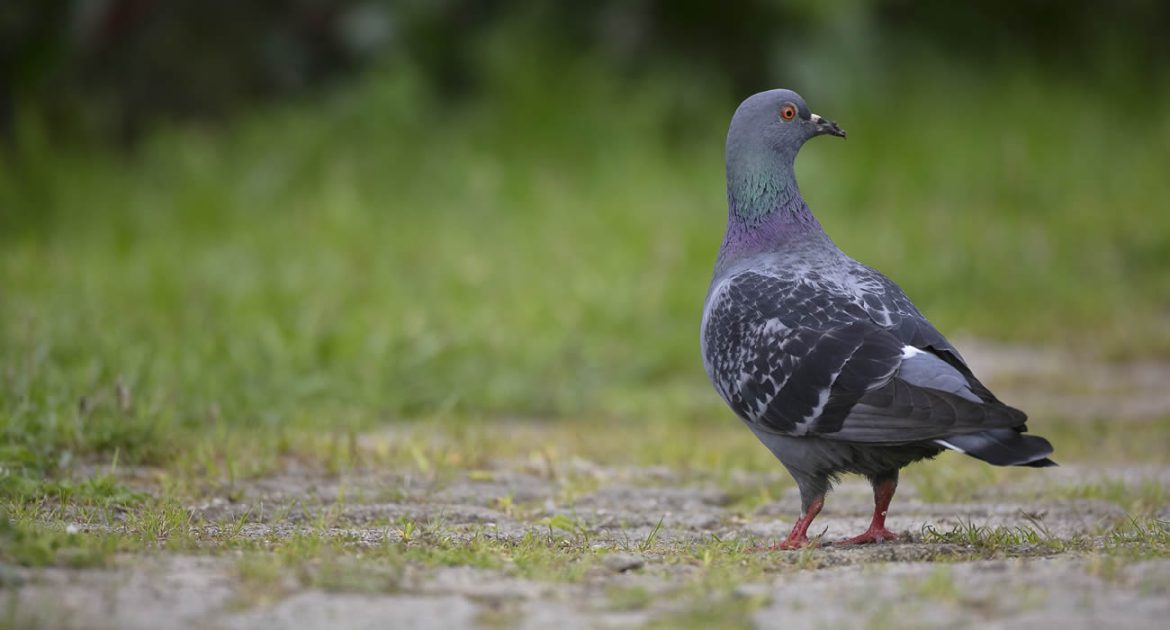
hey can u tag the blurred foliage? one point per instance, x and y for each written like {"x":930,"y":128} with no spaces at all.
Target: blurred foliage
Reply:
{"x":110,"y":68}
{"x":512,"y":209}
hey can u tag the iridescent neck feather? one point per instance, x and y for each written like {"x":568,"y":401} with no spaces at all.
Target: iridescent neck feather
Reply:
{"x":765,"y":209}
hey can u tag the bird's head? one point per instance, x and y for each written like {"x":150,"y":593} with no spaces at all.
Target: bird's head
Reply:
{"x":778,"y":120}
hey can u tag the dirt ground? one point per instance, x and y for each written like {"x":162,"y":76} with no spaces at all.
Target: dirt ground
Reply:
{"x":908,"y":583}
{"x":884,"y":585}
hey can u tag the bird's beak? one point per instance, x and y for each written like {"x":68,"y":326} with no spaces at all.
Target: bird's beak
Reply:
{"x":825,"y":126}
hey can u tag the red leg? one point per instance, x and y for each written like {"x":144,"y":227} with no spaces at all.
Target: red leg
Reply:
{"x":883,"y":491}
{"x":798,"y":537}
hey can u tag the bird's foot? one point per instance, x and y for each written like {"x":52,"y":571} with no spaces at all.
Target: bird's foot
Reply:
{"x":871,"y":535}
{"x":791,"y":544}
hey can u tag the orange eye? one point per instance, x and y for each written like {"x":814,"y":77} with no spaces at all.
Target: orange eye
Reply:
{"x":787,"y":112}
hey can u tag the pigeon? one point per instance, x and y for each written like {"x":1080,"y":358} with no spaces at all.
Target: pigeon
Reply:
{"x":826,"y":360}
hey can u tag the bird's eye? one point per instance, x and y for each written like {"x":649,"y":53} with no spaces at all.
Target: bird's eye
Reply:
{"x":787,"y":112}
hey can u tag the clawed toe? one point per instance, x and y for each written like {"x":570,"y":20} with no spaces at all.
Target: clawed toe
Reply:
{"x":792,"y":545}
{"x":871,"y":536}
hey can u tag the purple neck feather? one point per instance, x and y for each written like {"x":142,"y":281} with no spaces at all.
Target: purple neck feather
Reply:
{"x":764,"y":215}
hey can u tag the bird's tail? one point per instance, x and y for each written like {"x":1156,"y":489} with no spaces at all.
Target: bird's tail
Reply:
{"x":1002,"y":447}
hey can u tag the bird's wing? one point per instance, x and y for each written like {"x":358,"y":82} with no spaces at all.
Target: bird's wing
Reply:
{"x":889,"y":307}
{"x":795,"y":359}
{"x":926,"y":399}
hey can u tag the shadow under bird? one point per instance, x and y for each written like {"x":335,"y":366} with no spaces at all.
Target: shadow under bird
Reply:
{"x":825,"y":359}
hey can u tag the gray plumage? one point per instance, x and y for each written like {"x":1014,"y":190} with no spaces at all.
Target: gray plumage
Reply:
{"x":826,"y":360}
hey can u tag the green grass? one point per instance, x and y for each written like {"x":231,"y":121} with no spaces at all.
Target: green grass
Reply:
{"x":376,"y":281}
{"x":374,"y":256}
{"x":32,"y":544}
{"x":1145,"y":538}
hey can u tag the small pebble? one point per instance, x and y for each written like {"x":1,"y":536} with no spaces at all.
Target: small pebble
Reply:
{"x":622,"y":562}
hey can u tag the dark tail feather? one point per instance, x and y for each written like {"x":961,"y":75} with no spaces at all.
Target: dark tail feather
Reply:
{"x":1002,"y":447}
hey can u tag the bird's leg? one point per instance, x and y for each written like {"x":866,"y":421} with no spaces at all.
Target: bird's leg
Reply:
{"x":798,"y":537}
{"x":883,"y":491}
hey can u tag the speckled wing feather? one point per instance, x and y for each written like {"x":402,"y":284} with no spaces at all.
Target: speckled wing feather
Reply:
{"x":798,"y":356}
{"x":892,"y":309}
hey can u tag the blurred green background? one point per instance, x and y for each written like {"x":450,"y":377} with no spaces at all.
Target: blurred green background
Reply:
{"x":252,"y":217}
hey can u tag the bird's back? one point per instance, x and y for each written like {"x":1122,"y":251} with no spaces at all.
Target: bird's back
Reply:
{"x":797,"y":340}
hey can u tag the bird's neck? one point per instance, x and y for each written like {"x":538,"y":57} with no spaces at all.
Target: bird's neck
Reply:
{"x":765,"y":209}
